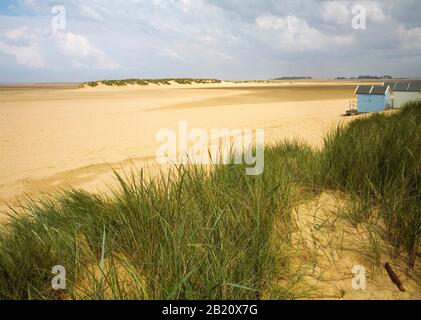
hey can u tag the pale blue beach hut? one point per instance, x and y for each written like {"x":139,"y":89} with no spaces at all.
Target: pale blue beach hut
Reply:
{"x":373,"y":98}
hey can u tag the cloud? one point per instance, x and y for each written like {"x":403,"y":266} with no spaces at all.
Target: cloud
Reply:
{"x":374,"y":12}
{"x":80,"y":47}
{"x":90,"y":13}
{"x":25,"y":34}
{"x":340,"y":12}
{"x":294,"y":33}
{"x":29,"y":45}
{"x":21,"y":43}
{"x":171,"y":54}
{"x":411,"y":37}
{"x":27,"y":56}
{"x":336,"y":12}
{"x":17,"y":34}
{"x":32,"y":4}
{"x":217,"y":38}
{"x":186,"y":5}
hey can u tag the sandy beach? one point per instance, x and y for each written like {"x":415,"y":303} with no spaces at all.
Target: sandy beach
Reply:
{"x":210,"y":151}
{"x":55,"y":137}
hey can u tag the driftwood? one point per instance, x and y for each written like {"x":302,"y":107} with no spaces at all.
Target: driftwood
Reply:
{"x":395,"y":279}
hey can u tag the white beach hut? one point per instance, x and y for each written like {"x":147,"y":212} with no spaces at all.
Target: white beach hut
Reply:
{"x":404,"y":92}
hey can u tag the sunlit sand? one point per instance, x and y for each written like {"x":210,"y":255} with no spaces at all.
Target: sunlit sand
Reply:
{"x":59,"y":136}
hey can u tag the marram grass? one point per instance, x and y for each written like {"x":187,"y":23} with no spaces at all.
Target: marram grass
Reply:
{"x":218,"y":234}
{"x":193,"y":234}
{"x":377,"y":160}
{"x":146,"y":82}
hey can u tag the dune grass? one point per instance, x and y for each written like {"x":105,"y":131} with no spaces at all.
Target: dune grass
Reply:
{"x":146,"y":82}
{"x":377,"y":161}
{"x":193,"y":234}
{"x":213,"y":234}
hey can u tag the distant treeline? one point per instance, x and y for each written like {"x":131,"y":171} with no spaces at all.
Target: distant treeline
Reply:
{"x":294,"y":78}
{"x":366,"y":78}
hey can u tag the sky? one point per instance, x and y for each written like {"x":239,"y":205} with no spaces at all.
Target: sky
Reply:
{"x":86,"y":40}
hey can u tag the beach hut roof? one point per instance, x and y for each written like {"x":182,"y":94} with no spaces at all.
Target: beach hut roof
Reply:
{"x":401,"y":86}
{"x":392,"y":85}
{"x":407,"y":86}
{"x":414,"y":87}
{"x":363,"y":89}
{"x":379,"y":90}
{"x":375,"y":90}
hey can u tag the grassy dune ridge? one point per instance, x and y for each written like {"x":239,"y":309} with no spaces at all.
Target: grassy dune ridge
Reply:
{"x":146,"y":82}
{"x":195,"y":234}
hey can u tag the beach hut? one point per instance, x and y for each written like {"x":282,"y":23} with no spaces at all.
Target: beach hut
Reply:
{"x":404,"y":92}
{"x":373,"y":98}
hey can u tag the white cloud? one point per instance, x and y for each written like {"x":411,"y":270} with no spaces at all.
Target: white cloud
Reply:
{"x":32,"y":4}
{"x":28,"y":45}
{"x":28,"y":56}
{"x":79,"y":46}
{"x":411,"y":37}
{"x":374,"y":12}
{"x":223,"y":56}
{"x":186,"y":5}
{"x":21,"y":43}
{"x":17,"y":34}
{"x":208,"y":37}
{"x":340,"y":12}
{"x":171,"y":54}
{"x":336,"y":12}
{"x":90,"y":13}
{"x":294,"y":33}
{"x":25,"y":33}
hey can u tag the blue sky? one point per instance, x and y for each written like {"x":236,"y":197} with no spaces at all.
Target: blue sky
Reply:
{"x":226,"y":39}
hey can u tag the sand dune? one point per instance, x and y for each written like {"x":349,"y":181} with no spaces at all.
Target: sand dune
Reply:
{"x":53,"y":137}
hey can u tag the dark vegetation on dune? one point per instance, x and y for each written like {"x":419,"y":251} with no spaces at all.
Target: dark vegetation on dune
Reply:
{"x":195,"y":234}
{"x":146,"y":82}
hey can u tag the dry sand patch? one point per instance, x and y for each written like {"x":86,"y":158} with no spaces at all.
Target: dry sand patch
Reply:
{"x":326,"y":247}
